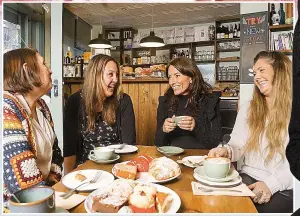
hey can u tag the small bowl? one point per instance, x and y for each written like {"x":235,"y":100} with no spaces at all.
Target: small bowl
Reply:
{"x":170,"y":150}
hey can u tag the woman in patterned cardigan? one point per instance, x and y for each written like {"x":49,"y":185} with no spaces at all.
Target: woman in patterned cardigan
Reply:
{"x":31,"y":155}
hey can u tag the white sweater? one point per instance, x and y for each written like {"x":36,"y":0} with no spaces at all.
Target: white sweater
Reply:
{"x":276,"y":174}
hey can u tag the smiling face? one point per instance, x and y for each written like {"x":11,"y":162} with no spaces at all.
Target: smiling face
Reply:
{"x":264,"y":76}
{"x":179,"y":83}
{"x":110,"y":78}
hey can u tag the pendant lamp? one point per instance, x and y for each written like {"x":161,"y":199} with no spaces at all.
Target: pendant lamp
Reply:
{"x":100,"y":42}
{"x":152,"y":40}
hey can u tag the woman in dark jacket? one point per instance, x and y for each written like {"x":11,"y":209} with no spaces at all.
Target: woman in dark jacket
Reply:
{"x":98,"y":115}
{"x":189,"y":96}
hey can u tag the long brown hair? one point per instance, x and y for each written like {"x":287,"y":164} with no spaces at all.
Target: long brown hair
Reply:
{"x":93,"y":93}
{"x":278,"y":114}
{"x":16,"y":79}
{"x":196,"y":89}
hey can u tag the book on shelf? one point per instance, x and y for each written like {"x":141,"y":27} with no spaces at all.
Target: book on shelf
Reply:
{"x":282,"y":41}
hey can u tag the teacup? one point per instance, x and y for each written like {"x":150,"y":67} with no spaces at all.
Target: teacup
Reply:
{"x":216,"y":167}
{"x":102,"y":153}
{"x":33,"y":200}
{"x":177,"y":119}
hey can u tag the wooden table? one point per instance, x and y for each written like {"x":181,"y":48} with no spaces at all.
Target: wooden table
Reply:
{"x":181,"y":185}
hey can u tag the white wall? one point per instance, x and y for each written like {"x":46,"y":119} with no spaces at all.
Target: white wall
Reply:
{"x":56,"y":105}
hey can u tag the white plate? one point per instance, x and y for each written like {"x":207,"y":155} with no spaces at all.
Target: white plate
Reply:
{"x":126,"y":149}
{"x":145,"y":176}
{"x":173,"y":208}
{"x":232,"y":174}
{"x":70,"y":182}
{"x":231,"y":183}
{"x":93,"y":158}
{"x":193,"y":159}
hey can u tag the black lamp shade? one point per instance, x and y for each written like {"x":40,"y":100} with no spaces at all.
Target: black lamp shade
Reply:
{"x":152,"y":41}
{"x":100,"y":43}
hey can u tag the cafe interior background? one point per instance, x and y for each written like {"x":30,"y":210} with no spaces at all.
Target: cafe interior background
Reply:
{"x":208,"y":33}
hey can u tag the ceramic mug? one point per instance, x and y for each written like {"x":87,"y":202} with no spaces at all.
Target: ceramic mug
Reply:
{"x":39,"y":199}
{"x":177,"y":119}
{"x":102,"y":153}
{"x":216,"y":167}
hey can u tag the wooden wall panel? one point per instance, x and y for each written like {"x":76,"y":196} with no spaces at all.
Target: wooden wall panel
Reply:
{"x":133,"y":92}
{"x":125,"y":88}
{"x":143,"y":117}
{"x":153,"y":100}
{"x":163,"y":88}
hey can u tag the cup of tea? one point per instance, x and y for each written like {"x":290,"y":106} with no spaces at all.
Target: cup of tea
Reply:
{"x":216,"y":167}
{"x":39,"y":199}
{"x":102,"y":153}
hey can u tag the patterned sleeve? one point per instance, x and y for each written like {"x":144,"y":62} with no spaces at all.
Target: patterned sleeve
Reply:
{"x":19,"y":162}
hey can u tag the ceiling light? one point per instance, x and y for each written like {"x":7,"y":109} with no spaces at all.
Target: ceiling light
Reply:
{"x":152,"y":40}
{"x":100,"y":43}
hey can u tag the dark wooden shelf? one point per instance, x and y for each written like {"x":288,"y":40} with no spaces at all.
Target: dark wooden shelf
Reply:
{"x":114,"y":39}
{"x":144,"y":80}
{"x":227,"y":39}
{"x":228,"y":80}
{"x":284,"y":27}
{"x":141,"y":65}
{"x":228,"y":50}
{"x":287,"y":52}
{"x":205,"y":62}
{"x":72,"y":80}
{"x":227,"y":60}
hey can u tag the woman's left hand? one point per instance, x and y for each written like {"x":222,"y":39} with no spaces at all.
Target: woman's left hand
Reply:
{"x":187,"y":123}
{"x":262,"y":192}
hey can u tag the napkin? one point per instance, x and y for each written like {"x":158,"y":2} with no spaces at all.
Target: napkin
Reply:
{"x":70,"y":202}
{"x":200,"y":189}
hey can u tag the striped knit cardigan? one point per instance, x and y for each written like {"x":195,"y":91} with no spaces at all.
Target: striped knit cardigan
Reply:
{"x":20,"y":169}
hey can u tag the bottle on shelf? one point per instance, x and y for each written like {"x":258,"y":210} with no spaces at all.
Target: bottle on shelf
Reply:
{"x":222,"y":32}
{"x":281,"y":14}
{"x":78,"y":60}
{"x":218,"y":29}
{"x":187,"y":55}
{"x":235,"y":31}
{"x":239,"y":31}
{"x":182,"y":53}
{"x":230,"y":31}
{"x":226,"y":32}
{"x":272,"y":12}
{"x":69,"y":53}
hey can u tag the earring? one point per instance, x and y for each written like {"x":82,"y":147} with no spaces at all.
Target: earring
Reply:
{"x":190,"y":81}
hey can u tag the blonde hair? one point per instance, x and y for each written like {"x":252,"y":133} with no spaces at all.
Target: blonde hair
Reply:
{"x":259,"y":112}
{"x":93,"y":93}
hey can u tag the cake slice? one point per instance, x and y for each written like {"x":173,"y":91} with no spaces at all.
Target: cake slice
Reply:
{"x":125,"y":171}
{"x":80,"y":177}
{"x":108,"y":203}
{"x":163,"y":202}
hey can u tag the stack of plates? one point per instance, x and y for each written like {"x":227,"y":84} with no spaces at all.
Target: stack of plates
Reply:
{"x":232,"y":179}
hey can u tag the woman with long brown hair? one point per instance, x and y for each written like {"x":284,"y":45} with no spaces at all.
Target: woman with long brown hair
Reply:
{"x":99,"y":114}
{"x":189,"y":96}
{"x":260,"y":135}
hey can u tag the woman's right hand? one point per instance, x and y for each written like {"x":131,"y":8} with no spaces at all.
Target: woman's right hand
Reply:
{"x":169,"y":125}
{"x":218,"y":152}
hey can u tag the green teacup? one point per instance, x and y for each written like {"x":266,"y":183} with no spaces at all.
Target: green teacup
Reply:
{"x":216,"y":167}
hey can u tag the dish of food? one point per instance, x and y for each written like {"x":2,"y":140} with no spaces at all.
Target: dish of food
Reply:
{"x":145,"y":169}
{"x":128,"y":196}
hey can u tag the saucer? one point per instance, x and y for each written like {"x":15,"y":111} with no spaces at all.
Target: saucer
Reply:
{"x":60,"y":210}
{"x":170,"y":150}
{"x":232,"y":174}
{"x":115,"y":157}
{"x":234,"y":182}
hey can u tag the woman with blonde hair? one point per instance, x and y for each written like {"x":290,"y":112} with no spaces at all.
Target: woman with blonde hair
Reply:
{"x":99,"y":114}
{"x":31,"y":155}
{"x":260,"y":135}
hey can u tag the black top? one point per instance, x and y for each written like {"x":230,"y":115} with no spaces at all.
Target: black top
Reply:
{"x":207,"y":131}
{"x":79,"y":141}
{"x":293,"y":148}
